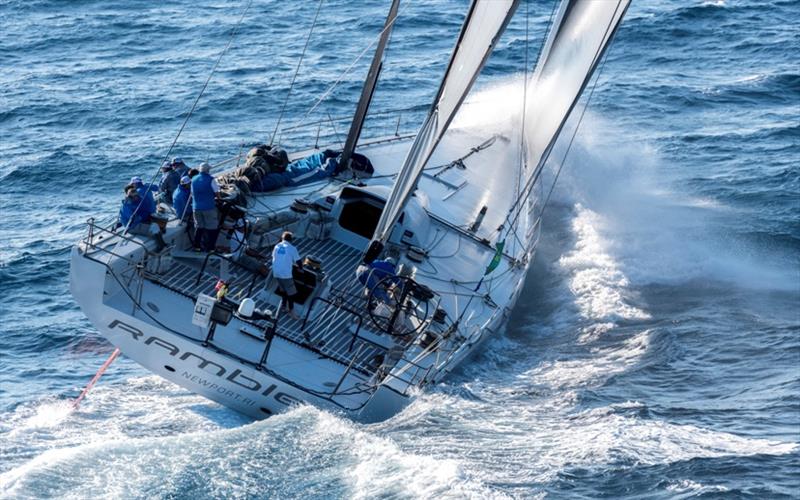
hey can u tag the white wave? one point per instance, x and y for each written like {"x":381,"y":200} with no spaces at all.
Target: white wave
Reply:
{"x":597,"y":438}
{"x":596,"y":280}
{"x":148,"y":437}
{"x":529,"y":443}
{"x":46,"y":414}
{"x":381,"y":468}
{"x":694,"y":488}
{"x":654,"y":231}
{"x":597,"y":366}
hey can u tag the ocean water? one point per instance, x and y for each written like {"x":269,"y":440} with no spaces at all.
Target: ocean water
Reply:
{"x":655,"y":351}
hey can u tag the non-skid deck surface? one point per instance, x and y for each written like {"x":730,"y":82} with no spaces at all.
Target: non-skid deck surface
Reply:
{"x":330,"y":329}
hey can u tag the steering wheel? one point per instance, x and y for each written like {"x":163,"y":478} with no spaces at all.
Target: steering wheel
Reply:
{"x":398,"y":305}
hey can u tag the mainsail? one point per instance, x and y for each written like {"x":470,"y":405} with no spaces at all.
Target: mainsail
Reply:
{"x":578,"y":38}
{"x":484,"y":23}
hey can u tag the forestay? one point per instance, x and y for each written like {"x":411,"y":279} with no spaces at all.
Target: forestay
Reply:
{"x":485,"y":22}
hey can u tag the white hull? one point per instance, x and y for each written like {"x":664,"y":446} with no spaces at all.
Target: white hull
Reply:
{"x":148,"y":316}
{"x":204,"y":371}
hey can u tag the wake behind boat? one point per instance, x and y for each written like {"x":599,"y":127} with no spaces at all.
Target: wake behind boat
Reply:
{"x":413,"y":250}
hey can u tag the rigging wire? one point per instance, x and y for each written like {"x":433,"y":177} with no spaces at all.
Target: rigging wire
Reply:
{"x":296,"y":71}
{"x":523,"y":150}
{"x":574,"y":133}
{"x":523,"y":156}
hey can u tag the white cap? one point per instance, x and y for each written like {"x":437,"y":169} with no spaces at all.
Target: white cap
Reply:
{"x":204,"y":167}
{"x":166,"y":166}
{"x":186,"y":180}
{"x":136,"y":180}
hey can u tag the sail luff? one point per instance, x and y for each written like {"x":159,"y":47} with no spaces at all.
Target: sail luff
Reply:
{"x":485,"y":22}
{"x":368,"y":90}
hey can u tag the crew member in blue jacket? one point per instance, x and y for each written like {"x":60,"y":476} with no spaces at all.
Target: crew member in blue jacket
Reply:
{"x":206,"y":219}
{"x":135,"y":215}
{"x":375,"y":273}
{"x":182,"y":203}
{"x":181,"y":198}
{"x":145,"y":192}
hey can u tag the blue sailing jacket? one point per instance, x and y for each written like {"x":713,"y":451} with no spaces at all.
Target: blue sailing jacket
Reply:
{"x":180,"y":202}
{"x":202,"y":192}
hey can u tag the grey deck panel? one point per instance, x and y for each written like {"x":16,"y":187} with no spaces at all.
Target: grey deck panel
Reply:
{"x":331,"y":334}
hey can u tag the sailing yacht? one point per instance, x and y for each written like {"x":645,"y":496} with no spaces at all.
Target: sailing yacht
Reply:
{"x":458,"y":232}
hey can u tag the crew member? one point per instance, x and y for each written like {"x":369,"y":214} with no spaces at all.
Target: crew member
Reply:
{"x":376,"y":273}
{"x":284,"y":257}
{"x":206,"y":220}
{"x":146,"y":192}
{"x":135,"y":216}
{"x":169,"y":182}
{"x":181,"y":198}
{"x":181,"y":203}
{"x":179,"y":166}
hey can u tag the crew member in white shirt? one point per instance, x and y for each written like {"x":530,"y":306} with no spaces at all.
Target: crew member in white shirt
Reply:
{"x":284,"y":256}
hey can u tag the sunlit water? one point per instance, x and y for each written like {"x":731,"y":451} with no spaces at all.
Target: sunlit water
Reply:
{"x":655,"y":349}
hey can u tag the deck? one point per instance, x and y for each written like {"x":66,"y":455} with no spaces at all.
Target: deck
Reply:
{"x":330,"y":328}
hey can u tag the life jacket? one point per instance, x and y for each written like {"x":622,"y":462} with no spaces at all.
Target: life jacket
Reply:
{"x":180,"y":199}
{"x":202,"y":192}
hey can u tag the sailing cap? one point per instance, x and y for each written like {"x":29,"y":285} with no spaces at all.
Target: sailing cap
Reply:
{"x":204,"y":167}
{"x":136,"y":180}
{"x":186,"y":180}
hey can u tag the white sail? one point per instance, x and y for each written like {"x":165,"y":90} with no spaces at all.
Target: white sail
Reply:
{"x":576,"y":43}
{"x":484,"y":23}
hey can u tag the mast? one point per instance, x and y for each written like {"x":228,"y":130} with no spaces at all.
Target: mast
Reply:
{"x":369,"y":87}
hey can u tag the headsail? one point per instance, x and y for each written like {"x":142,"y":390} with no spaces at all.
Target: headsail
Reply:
{"x":485,"y":22}
{"x":578,"y":38}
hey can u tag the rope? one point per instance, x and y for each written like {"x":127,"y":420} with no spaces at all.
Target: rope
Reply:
{"x":525,"y":94}
{"x":296,"y":71}
{"x":96,"y":377}
{"x":523,"y":163}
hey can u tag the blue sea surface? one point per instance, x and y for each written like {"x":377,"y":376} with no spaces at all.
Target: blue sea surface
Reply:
{"x":654,"y":353}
